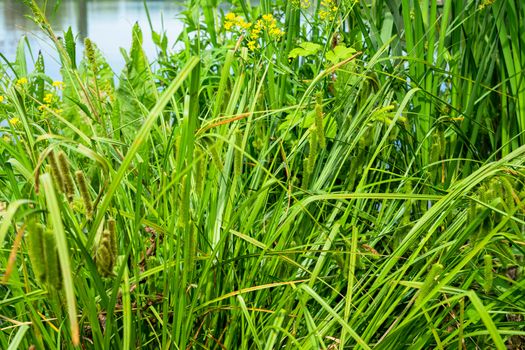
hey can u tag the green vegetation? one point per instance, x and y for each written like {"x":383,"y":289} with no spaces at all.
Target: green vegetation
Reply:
{"x":300,"y":175}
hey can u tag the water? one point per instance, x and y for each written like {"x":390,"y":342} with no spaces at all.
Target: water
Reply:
{"x":108,"y":23}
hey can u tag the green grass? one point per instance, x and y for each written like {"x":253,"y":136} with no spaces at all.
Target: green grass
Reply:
{"x":352,"y":178}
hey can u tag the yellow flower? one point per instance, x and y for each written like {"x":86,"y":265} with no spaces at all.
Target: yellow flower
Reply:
{"x":485,"y":4}
{"x":252,"y":45}
{"x":267,"y":24}
{"x":228,"y":25}
{"x":1,"y":98}
{"x":275,"y":32}
{"x":41,"y":107}
{"x":268,"y":17}
{"x":14,"y":121}
{"x":21,"y":81}
{"x":330,"y":10}
{"x":243,"y":24}
{"x":259,"y":24}
{"x":58,"y":84}
{"x":48,"y":98}
{"x":235,"y":23}
{"x":304,"y":4}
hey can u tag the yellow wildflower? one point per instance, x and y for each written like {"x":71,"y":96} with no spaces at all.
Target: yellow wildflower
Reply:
{"x":48,"y":98}
{"x":1,"y":98}
{"x":58,"y":84}
{"x":228,"y":25}
{"x":256,"y":31}
{"x":14,"y":121}
{"x":268,"y":17}
{"x":304,"y":4}
{"x":275,"y":32}
{"x":485,"y":4}
{"x":267,"y":24}
{"x":41,"y":108}
{"x":243,"y":24}
{"x":252,"y":45}
{"x":235,"y":23}
{"x":329,"y":11}
{"x":21,"y":81}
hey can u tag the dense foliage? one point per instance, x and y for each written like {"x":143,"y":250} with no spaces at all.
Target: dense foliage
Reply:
{"x":301,"y":174}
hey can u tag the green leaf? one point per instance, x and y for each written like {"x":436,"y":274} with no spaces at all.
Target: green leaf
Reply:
{"x":15,"y":343}
{"x":487,"y":320}
{"x":137,"y":92}
{"x":340,"y":53}
{"x":63,"y":254}
{"x":305,"y":49}
{"x":69,"y":40}
{"x":20,"y":61}
{"x":8,"y":216}
{"x":39,"y":77}
{"x":161,"y":40}
{"x":335,"y":316}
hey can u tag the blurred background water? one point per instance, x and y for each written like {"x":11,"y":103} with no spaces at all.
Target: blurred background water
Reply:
{"x":106,"y":22}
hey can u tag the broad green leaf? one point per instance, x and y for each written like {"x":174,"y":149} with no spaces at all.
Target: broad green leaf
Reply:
{"x":340,"y":53}
{"x":305,"y":49}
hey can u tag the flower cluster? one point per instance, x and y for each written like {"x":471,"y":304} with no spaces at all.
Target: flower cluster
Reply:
{"x":303,"y":4}
{"x":329,"y":10}
{"x":254,"y":32}
{"x":59,"y":85}
{"x":21,"y":81}
{"x":485,"y":4}
{"x":50,"y":99}
{"x":236,"y":23}
{"x":14,"y":121}
{"x":268,"y":23}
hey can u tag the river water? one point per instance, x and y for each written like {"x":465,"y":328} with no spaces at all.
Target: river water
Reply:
{"x":108,"y":23}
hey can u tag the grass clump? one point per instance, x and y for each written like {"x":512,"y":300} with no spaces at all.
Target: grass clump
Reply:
{"x":302,"y":174}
